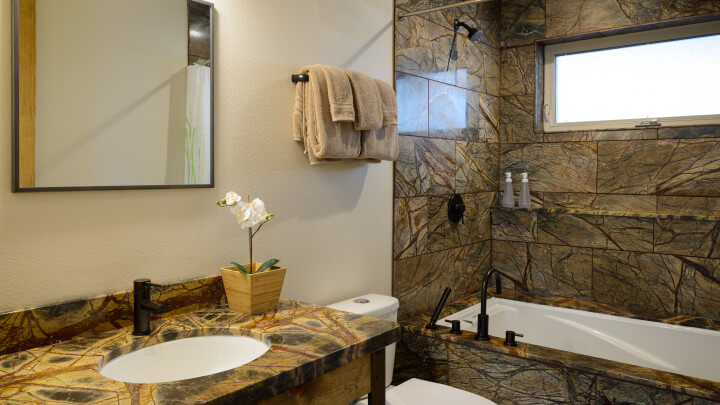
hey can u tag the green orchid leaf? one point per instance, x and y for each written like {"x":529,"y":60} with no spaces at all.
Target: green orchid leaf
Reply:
{"x":267,"y":265}
{"x":240,"y":266}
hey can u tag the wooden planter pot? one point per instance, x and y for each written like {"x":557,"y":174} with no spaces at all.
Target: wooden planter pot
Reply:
{"x":253,"y":293}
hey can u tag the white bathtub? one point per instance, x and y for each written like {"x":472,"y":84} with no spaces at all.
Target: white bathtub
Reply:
{"x":683,"y":350}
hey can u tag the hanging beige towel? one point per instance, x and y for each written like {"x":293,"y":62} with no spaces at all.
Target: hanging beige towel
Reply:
{"x":383,"y":143}
{"x":323,"y":138}
{"x":368,"y":104}
{"x":340,"y":94}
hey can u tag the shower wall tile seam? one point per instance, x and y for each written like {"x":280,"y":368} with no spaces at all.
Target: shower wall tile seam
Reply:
{"x":446,"y":84}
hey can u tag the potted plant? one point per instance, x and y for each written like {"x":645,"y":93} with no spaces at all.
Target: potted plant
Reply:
{"x":251,"y":288}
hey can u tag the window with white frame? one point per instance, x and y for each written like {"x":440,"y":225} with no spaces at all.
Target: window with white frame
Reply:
{"x":669,"y":76}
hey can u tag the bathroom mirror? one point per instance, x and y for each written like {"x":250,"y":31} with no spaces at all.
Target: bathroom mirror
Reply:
{"x":112,"y":94}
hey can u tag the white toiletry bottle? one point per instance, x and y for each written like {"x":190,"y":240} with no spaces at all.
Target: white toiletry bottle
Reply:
{"x":508,"y":199}
{"x":524,"y":201}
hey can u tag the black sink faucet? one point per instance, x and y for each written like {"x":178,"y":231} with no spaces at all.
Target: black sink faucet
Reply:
{"x":483,"y":318}
{"x":142,"y":306}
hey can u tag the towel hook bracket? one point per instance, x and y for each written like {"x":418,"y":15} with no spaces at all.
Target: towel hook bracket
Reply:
{"x":300,"y":78}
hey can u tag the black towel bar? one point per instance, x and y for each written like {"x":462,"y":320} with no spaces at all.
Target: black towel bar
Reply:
{"x":300,"y":78}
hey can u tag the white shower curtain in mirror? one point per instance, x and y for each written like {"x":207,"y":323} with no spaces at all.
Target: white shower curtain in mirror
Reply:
{"x":197,"y":125}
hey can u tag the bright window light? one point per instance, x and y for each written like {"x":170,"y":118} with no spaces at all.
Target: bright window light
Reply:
{"x":608,"y":83}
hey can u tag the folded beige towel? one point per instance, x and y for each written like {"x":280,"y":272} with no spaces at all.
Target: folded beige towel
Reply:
{"x":323,"y":138}
{"x":368,"y":104}
{"x":382,"y":144}
{"x":340,"y":94}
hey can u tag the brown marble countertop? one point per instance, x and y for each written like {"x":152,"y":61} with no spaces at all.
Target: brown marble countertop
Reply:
{"x":622,"y":371}
{"x":305,"y":342}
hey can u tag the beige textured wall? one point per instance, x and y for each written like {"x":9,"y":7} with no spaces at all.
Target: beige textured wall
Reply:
{"x":333,"y":224}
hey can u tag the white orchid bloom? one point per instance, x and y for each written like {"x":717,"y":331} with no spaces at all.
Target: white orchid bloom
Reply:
{"x":250,"y":214}
{"x":259,"y":207}
{"x":231,"y":198}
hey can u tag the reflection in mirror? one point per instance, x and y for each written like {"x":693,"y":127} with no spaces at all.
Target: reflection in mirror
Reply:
{"x":113,"y":94}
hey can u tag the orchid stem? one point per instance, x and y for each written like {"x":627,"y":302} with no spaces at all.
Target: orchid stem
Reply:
{"x":250,"y":238}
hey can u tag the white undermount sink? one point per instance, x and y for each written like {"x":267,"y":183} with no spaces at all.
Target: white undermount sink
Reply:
{"x":184,"y":358}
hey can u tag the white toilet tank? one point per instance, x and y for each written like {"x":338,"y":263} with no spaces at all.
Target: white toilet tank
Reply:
{"x":378,"y":306}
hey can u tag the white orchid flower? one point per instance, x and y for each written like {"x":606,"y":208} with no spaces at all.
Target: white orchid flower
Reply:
{"x":231,"y":198}
{"x":250,"y":214}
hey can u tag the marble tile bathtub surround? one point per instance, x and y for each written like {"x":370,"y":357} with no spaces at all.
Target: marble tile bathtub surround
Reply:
{"x":530,"y":374}
{"x":30,"y":328}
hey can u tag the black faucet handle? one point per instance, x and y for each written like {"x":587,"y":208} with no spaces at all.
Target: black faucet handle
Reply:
{"x":510,"y":336}
{"x":145,"y":283}
{"x":455,"y":328}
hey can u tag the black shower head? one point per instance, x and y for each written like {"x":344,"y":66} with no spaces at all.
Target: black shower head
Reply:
{"x":473,"y":33}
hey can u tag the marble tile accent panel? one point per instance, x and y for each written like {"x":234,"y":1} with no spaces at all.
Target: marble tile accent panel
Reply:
{"x":425,"y":166}
{"x":553,"y":167}
{"x":581,"y":230}
{"x":421,"y":357}
{"x":687,"y":8}
{"x":422,"y":48}
{"x":521,"y":22}
{"x":517,"y":119}
{"x":477,"y":167}
{"x":517,"y":70}
{"x":561,"y":271}
{"x":478,"y":67}
{"x":571,"y":230}
{"x":34,"y":327}
{"x":514,"y":225}
{"x":436,"y":165}
{"x":420,"y":280}
{"x":410,"y":231}
{"x":611,"y":202}
{"x":610,"y":135}
{"x":612,"y":392}
{"x":644,"y":283}
{"x":689,"y":205}
{"x":475,"y":227}
{"x":490,"y":119}
{"x":412,"y":100}
{"x":454,"y":113}
{"x":577,"y":16}
{"x":687,"y":237}
{"x":667,"y":167}
{"x":513,"y":260}
{"x":627,"y":233}
{"x":509,"y":379}
{"x":407,"y":176}
{"x":705,"y":285}
{"x":689,"y":132}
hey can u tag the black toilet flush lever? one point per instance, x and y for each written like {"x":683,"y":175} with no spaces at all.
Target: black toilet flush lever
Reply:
{"x":456,"y":209}
{"x":510,"y":338}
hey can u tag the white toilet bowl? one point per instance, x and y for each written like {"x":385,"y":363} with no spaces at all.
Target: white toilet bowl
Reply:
{"x":413,"y":391}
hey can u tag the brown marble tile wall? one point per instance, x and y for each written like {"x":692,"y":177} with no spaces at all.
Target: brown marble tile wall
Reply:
{"x":449,"y":116}
{"x":650,"y":267}
{"x":29,"y":328}
{"x":655,"y":266}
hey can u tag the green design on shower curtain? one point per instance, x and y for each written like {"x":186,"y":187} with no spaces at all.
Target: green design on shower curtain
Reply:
{"x":192,"y":153}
